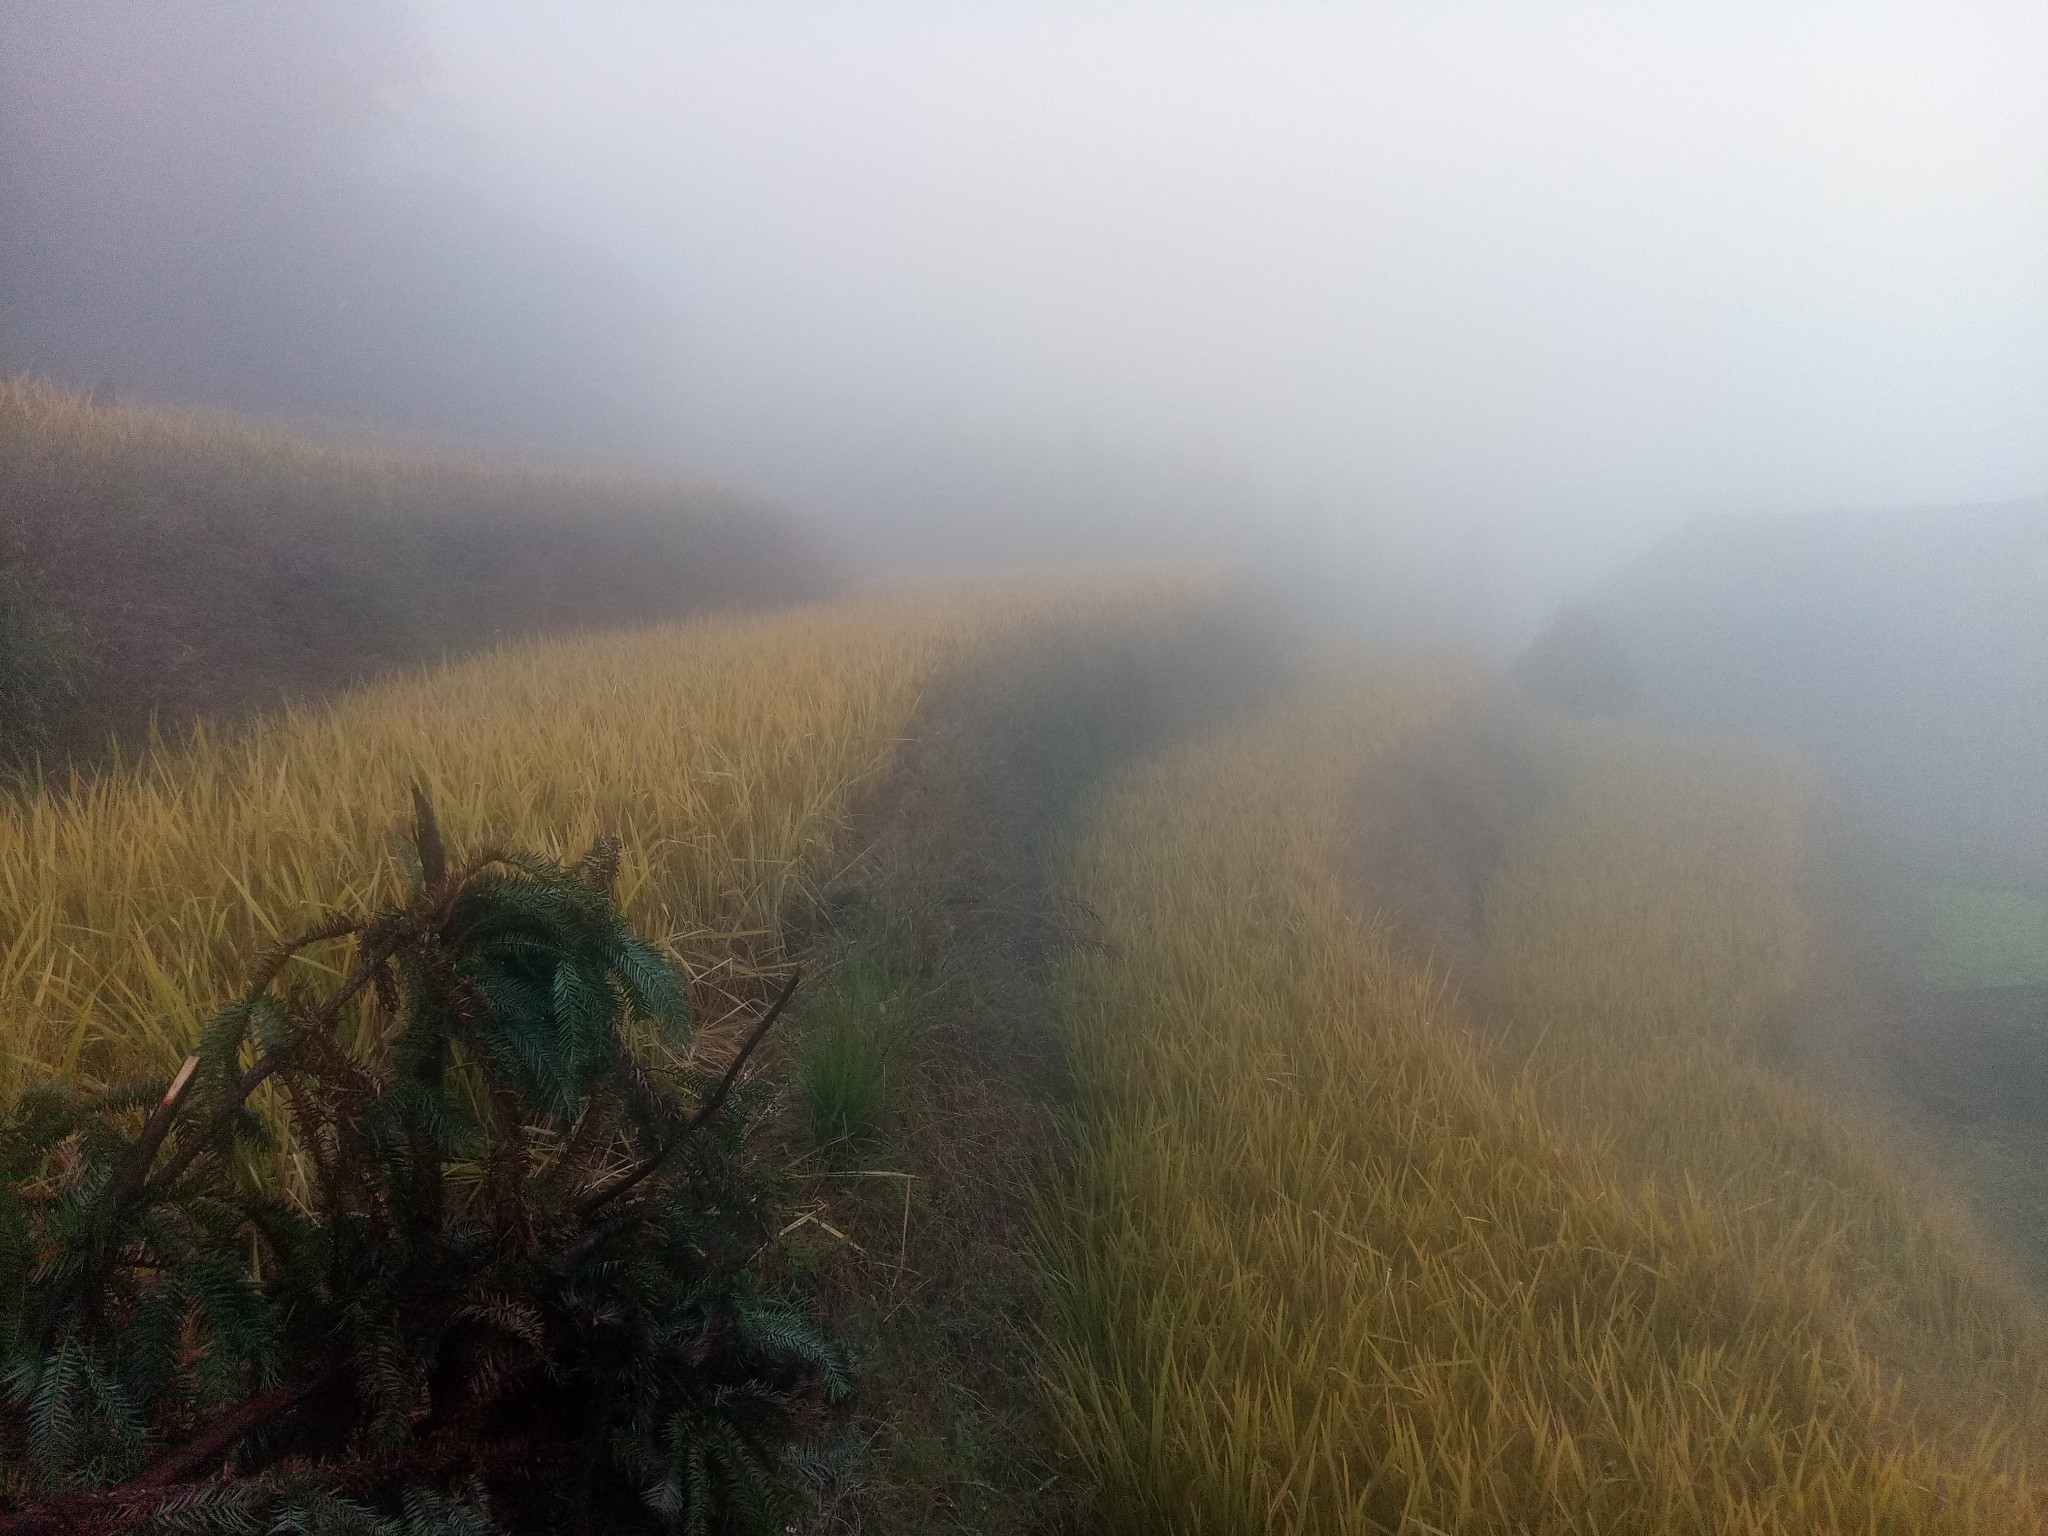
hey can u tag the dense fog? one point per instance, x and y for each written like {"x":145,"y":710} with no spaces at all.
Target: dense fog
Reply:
{"x":1444,"y":311}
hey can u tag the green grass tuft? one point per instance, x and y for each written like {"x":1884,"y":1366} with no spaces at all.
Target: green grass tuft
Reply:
{"x":855,"y":1035}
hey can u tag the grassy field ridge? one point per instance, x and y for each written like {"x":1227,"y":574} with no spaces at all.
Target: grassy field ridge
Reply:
{"x":728,"y":755}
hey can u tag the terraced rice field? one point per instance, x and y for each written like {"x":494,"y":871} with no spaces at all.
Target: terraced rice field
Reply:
{"x":1335,"y":1249}
{"x":1337,"y":1257}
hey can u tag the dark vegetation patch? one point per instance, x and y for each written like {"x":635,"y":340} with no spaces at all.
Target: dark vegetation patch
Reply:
{"x":41,"y":667}
{"x":162,"y":566}
{"x":931,"y":1078}
{"x":518,"y":1291}
{"x":1979,"y":1056}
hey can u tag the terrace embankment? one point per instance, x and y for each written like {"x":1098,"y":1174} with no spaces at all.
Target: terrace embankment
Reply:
{"x":157,"y":566}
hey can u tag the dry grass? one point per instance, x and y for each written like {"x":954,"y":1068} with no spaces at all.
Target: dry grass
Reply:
{"x":1330,"y":1262}
{"x":727,"y":754}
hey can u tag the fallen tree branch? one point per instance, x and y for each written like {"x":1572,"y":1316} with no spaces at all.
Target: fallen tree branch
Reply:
{"x":221,"y":1436}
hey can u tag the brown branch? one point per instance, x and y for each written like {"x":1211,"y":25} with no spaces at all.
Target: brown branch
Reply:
{"x":427,"y":839}
{"x":135,"y":1166}
{"x":193,"y":1455}
{"x":591,"y":1204}
{"x":273,"y":960}
{"x":74,"y":1515}
{"x":136,"y":1500}
{"x":388,"y":944}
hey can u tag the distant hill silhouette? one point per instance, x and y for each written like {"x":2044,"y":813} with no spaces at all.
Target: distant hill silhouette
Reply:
{"x":1906,"y":650}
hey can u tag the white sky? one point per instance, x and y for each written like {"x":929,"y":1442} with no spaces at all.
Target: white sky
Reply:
{"x":1502,"y":290}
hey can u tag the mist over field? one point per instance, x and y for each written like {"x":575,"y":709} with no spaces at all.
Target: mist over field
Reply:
{"x":1444,"y":311}
{"x":1040,"y":767}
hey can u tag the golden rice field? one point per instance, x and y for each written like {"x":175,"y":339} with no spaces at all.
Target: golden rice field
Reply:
{"x":728,"y":754}
{"x":1331,"y":1257}
{"x":1331,"y":1261}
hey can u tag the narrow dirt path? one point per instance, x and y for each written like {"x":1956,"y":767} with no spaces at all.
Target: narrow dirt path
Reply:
{"x":920,"y":1234}
{"x":1428,"y":829}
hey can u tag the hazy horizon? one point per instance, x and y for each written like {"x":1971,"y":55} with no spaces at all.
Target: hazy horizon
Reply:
{"x":1455,"y":309}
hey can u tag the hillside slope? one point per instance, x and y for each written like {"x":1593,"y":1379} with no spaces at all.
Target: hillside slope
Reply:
{"x":1906,"y":650}
{"x":172,"y":565}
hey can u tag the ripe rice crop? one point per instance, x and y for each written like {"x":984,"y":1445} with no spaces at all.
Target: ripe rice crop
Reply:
{"x":1331,"y":1259}
{"x":726,"y":753}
